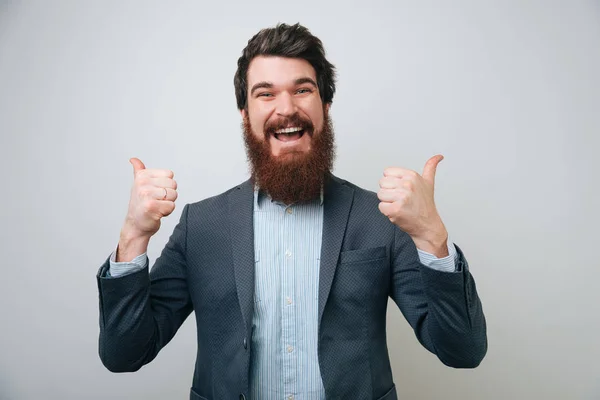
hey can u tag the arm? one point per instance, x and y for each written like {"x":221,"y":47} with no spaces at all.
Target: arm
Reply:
{"x":447,"y":264}
{"x":443,"y":308}
{"x":140,"y":312}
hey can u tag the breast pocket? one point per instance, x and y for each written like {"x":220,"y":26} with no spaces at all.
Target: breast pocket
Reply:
{"x":363,"y":255}
{"x":266,"y":278}
{"x":362,"y":274}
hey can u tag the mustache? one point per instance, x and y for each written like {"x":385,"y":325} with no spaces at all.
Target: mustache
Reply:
{"x":293,"y":120}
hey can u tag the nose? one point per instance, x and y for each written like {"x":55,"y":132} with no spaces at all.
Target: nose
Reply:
{"x":285,"y":105}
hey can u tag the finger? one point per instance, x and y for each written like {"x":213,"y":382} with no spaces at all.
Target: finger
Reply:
{"x":159,"y":173}
{"x":162,"y":182}
{"x":159,"y":193}
{"x":138,"y":165}
{"x":431,"y":167}
{"x":386,"y":208}
{"x":171,"y":194}
{"x":391,"y":195}
{"x":390,"y":182}
{"x":398,"y":172}
{"x":166,"y":207}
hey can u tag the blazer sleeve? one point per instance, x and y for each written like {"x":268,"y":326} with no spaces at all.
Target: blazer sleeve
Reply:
{"x":141,"y":312}
{"x":443,"y":308}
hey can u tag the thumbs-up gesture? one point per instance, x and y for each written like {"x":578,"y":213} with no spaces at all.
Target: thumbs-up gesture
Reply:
{"x":407,"y":200}
{"x":153,"y":196}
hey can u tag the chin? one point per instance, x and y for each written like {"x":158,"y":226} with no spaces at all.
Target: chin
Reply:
{"x":289,"y":157}
{"x":291,"y":150}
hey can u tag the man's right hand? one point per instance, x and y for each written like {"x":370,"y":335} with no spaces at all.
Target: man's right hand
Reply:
{"x":153,"y":196}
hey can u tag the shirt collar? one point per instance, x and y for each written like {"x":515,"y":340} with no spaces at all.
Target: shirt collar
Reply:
{"x":261,"y":195}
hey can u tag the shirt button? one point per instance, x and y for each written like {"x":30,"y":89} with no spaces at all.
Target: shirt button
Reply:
{"x":288,"y":253}
{"x":290,"y":349}
{"x":288,"y":300}
{"x":291,"y":397}
{"x":289,"y":210}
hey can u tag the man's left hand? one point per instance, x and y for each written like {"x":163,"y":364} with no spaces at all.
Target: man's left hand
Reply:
{"x":407,"y":200}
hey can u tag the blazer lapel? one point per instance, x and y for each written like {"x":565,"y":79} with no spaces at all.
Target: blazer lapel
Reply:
{"x":337,"y":203}
{"x":241,"y":208}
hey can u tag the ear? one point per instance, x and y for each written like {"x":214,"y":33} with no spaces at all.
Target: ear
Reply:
{"x":327,"y":106}
{"x":243,"y":113}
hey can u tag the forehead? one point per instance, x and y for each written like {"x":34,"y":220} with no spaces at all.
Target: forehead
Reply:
{"x":278,"y":70}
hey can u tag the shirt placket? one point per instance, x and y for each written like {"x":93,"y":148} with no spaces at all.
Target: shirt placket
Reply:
{"x":288,"y":322}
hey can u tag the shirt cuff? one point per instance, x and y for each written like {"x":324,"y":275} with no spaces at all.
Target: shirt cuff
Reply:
{"x":444,"y":264}
{"x":118,"y":269}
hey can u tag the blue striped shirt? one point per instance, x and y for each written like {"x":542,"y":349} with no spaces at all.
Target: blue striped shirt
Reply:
{"x":287,"y":246}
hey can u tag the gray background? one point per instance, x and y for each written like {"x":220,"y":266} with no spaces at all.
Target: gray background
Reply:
{"x":508,"y":91}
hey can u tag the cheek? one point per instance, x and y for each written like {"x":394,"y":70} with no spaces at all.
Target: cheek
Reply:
{"x":259,"y":115}
{"x":257,"y":120}
{"x":314,"y":110}
{"x":317,"y":118}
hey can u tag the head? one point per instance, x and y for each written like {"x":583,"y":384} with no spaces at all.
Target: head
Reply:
{"x":284,"y":87}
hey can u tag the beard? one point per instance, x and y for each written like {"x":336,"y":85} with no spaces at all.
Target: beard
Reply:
{"x":291,"y":177}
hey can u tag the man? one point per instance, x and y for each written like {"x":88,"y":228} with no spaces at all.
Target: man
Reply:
{"x":289,"y":272}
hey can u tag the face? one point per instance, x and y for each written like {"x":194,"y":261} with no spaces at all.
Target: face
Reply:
{"x":284,"y":104}
{"x":287,"y":131}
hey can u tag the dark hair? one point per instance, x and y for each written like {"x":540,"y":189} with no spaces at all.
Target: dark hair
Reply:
{"x":294,"y":41}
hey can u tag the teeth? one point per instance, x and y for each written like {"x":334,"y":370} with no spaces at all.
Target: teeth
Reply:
{"x":288,"y":130}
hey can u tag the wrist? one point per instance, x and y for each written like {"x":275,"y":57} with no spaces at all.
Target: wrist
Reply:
{"x":131,"y":245}
{"x":130,"y":233}
{"x":435,"y":243}
{"x":129,"y":240}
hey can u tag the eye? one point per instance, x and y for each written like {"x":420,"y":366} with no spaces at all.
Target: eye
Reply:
{"x":264,"y":94}
{"x":304,"y":90}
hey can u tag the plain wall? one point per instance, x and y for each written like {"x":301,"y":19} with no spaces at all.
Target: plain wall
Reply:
{"x":508,"y":91}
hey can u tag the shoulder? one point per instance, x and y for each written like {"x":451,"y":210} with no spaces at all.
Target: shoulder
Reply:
{"x":217,"y":204}
{"x":361,"y":195}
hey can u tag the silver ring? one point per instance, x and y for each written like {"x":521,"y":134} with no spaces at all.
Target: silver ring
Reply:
{"x":165,"y":196}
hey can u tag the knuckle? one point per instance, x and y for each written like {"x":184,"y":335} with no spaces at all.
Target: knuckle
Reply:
{"x":141,"y":180}
{"x":149,"y":206}
{"x":389,"y":172}
{"x":168,"y":209}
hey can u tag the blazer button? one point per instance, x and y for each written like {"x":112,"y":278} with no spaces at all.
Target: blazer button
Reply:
{"x":242,"y":397}
{"x":245,"y":344}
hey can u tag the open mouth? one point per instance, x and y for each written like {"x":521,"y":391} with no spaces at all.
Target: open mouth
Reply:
{"x":288,"y":134}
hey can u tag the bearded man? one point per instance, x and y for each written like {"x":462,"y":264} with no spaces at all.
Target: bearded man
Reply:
{"x":289,"y":273}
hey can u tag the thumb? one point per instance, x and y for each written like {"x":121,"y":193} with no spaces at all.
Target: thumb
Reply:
{"x":138,"y":165}
{"x":430,"y":168}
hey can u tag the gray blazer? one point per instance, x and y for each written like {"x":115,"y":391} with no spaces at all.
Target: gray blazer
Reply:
{"x":208,"y":266}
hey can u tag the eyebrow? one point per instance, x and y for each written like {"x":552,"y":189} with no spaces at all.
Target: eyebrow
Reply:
{"x":269,"y":85}
{"x":301,"y":81}
{"x":261,"y":85}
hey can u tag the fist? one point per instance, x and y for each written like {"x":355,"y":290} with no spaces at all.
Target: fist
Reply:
{"x":153,"y":196}
{"x":407,"y":200}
